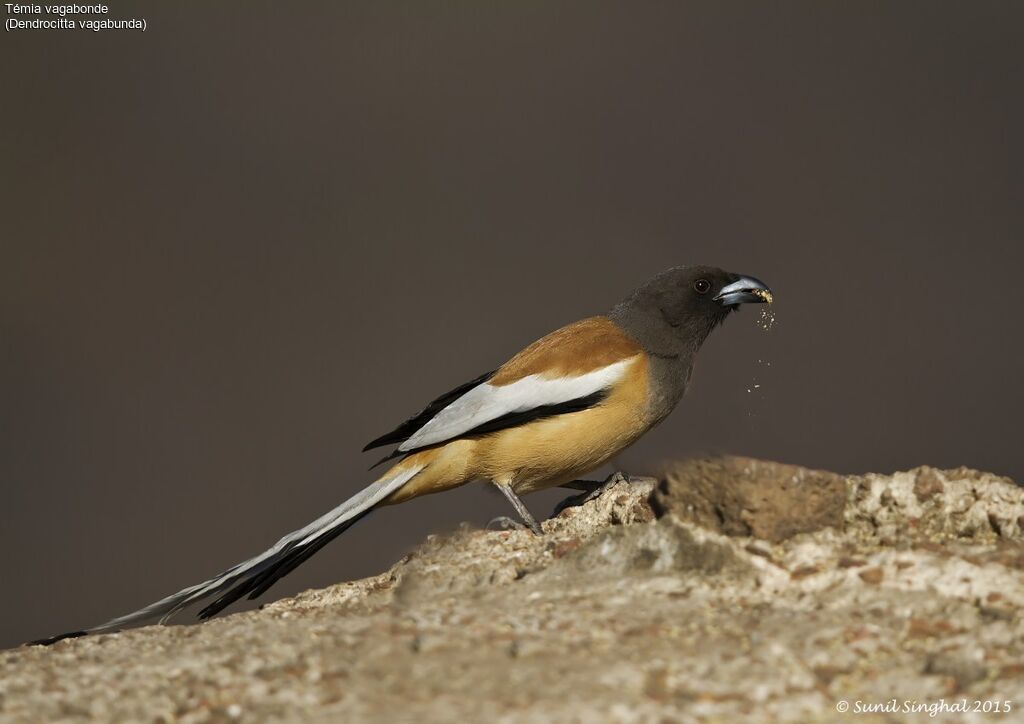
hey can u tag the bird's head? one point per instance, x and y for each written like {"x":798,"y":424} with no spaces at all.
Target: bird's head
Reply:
{"x":679,"y":307}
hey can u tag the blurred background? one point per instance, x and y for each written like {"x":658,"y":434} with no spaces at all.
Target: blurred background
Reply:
{"x":240,"y":245}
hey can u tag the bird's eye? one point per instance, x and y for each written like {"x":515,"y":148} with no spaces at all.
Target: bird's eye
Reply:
{"x":701,"y":286}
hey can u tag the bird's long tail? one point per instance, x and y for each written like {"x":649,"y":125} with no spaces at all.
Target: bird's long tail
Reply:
{"x":256,"y":575}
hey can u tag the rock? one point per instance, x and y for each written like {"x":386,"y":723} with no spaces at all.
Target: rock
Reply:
{"x":743,"y":496}
{"x":872,"y":575}
{"x":730,"y":589}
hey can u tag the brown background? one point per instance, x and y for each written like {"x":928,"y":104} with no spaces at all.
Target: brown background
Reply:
{"x":240,"y":245}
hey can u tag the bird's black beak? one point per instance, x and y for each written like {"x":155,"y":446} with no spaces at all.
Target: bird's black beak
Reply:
{"x":743,"y":291}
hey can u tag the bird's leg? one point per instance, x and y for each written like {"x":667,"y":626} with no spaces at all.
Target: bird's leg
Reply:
{"x":591,"y":491}
{"x":525,"y":514}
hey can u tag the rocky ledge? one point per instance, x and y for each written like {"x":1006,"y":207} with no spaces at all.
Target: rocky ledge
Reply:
{"x":730,"y":588}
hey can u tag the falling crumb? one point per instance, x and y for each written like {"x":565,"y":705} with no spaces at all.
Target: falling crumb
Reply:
{"x":767,"y":320}
{"x":755,"y":386}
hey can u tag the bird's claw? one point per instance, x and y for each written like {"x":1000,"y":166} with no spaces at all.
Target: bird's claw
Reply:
{"x":503,"y":522}
{"x":594,"y":493}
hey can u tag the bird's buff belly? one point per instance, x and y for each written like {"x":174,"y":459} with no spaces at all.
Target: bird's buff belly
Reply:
{"x":553,"y":451}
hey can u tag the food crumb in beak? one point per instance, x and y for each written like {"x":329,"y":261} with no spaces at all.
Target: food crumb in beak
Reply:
{"x":764,"y":295}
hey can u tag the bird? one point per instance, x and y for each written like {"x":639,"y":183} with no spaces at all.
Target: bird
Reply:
{"x":557,"y":410}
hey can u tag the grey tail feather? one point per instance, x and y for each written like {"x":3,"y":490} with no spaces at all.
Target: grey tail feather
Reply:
{"x":256,"y":575}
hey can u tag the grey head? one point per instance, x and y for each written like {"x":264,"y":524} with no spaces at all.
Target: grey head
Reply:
{"x":673,"y":313}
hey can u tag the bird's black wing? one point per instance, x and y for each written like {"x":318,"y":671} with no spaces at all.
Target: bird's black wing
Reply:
{"x":404,"y":431}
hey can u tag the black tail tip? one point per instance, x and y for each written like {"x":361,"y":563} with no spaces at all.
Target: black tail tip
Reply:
{"x":54,"y":639}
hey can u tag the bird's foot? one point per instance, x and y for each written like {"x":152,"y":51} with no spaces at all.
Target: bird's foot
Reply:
{"x":592,"y":490}
{"x":524,"y":512}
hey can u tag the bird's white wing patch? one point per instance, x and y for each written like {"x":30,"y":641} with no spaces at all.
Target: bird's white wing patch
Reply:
{"x":487,"y":402}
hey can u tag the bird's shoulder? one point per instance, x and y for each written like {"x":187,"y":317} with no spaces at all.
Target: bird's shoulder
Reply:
{"x":571,"y":351}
